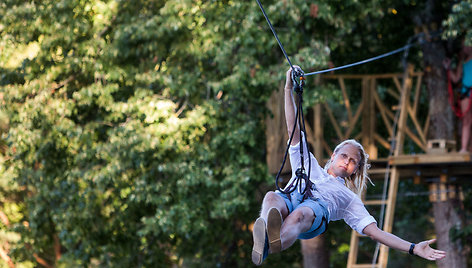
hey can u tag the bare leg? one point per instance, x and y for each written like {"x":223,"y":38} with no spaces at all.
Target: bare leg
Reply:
{"x":299,"y":221}
{"x":466,"y":124}
{"x":273,"y":200}
{"x":260,"y":232}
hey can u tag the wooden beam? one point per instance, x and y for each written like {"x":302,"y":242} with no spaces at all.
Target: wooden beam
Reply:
{"x":334,"y":122}
{"x":318,"y":126}
{"x":383,"y":114}
{"x":417,"y":94}
{"x":412,"y":114}
{"x":354,"y":121}
{"x":382,"y":141}
{"x":428,"y":159}
{"x":352,"y":258}
{"x":397,"y":84}
{"x":346,"y":98}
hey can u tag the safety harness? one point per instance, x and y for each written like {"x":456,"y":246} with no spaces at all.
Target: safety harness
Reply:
{"x":452,"y":101}
{"x":300,"y":174}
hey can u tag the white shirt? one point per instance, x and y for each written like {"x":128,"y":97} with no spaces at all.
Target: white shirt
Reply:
{"x":342,"y":202}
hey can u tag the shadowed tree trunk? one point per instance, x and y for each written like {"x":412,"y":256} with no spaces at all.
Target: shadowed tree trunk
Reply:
{"x":446,"y":213}
{"x":315,"y":253}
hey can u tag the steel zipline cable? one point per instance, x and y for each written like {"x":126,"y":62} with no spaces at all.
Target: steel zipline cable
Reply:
{"x":275,"y":34}
{"x":406,"y":47}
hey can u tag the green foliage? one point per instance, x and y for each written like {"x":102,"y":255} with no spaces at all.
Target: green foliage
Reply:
{"x":136,"y":128}
{"x":459,"y":22}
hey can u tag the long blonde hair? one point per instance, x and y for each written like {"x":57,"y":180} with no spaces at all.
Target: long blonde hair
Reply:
{"x":357,"y":182}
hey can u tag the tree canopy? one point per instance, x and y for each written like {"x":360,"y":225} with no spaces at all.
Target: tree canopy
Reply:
{"x":133,"y":131}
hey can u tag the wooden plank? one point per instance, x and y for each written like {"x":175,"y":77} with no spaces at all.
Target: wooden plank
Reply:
{"x":366,"y":265}
{"x":417,"y":125}
{"x":389,"y":213}
{"x":372,"y":149}
{"x":382,"y":110}
{"x":429,"y":159}
{"x":327,"y":148}
{"x":393,"y":93}
{"x":346,"y":98}
{"x":402,"y":127}
{"x":397,"y":84}
{"x":374,"y":202}
{"x":417,"y":94}
{"x":367,"y":128}
{"x":333,"y":121}
{"x":354,"y":121}
{"x":354,"y":247}
{"x":426,"y":125}
{"x":382,"y":141}
{"x":415,"y":139}
{"x":318,"y":126}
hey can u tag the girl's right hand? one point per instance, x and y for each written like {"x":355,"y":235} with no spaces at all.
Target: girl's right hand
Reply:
{"x":288,"y":78}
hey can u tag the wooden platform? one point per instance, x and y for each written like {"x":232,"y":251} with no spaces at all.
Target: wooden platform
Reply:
{"x":425,"y":165}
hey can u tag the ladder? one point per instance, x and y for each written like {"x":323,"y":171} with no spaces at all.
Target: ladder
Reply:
{"x":391,"y":198}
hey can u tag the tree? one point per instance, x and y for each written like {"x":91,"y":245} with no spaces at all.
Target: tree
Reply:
{"x":136,"y":128}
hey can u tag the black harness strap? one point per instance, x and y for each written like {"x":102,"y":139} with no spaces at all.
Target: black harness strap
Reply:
{"x":300,"y":173}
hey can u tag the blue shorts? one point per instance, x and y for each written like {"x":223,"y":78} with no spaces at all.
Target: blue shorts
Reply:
{"x":318,"y":206}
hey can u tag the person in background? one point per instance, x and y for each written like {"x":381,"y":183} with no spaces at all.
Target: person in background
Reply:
{"x":463,"y":73}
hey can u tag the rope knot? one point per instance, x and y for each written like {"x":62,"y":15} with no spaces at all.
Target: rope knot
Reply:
{"x":297,"y":72}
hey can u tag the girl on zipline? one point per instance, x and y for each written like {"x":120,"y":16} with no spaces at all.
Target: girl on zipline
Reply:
{"x":333,"y":193}
{"x":464,"y":71}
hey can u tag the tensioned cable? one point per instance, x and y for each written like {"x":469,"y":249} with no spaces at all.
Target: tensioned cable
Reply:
{"x":275,"y":34}
{"x":335,"y":68}
{"x":363,"y":61}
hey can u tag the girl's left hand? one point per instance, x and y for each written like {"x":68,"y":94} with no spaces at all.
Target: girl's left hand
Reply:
{"x":423,"y":250}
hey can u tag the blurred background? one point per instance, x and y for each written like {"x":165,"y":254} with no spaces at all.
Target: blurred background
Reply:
{"x":133,"y":133}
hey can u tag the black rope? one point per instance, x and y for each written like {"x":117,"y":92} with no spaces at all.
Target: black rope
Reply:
{"x":275,"y":34}
{"x":300,"y":174}
{"x":420,"y":37}
{"x":363,"y":61}
{"x":298,"y":88}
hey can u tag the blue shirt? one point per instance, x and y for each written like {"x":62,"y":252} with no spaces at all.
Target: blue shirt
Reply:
{"x":466,"y":78}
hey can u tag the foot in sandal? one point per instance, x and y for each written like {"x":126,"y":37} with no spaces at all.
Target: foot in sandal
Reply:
{"x":260,"y":249}
{"x":274,"y":223}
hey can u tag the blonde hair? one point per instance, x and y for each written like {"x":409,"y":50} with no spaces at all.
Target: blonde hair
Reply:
{"x":357,"y":181}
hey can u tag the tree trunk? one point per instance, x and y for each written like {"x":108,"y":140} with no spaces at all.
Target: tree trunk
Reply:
{"x":446,"y":213}
{"x":315,"y":252}
{"x":447,"y":217}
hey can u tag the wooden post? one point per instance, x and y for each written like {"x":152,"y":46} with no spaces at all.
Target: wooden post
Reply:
{"x":393,"y":185}
{"x":352,"y":258}
{"x":372,"y":149}
{"x":366,"y":114}
{"x":318,"y":129}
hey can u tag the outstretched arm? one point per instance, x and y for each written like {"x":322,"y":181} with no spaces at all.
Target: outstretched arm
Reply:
{"x":422,"y":249}
{"x":290,"y":107}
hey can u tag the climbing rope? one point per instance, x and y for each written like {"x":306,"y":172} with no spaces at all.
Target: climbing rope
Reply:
{"x":300,"y":174}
